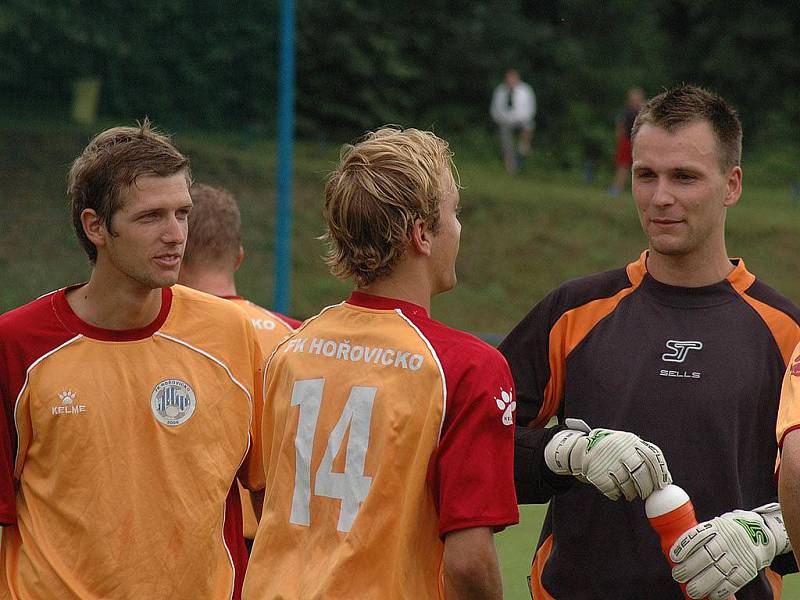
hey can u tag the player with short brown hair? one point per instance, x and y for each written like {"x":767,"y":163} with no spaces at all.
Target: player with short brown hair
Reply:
{"x":124,"y":422}
{"x":683,"y":347}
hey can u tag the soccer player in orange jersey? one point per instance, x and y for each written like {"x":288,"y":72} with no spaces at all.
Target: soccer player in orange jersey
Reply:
{"x":388,"y":436}
{"x":213,"y":254}
{"x":126,"y":416}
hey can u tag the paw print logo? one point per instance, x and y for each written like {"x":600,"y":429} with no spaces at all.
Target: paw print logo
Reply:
{"x":67,"y":396}
{"x":507,"y":404}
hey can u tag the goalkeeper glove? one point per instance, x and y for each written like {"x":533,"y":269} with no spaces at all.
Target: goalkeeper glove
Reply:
{"x":617,"y":463}
{"x":717,"y":557}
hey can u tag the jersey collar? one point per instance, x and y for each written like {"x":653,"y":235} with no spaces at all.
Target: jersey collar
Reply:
{"x":74,"y":323}
{"x":384,"y":303}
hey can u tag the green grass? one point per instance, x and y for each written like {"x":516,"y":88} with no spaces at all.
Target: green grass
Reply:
{"x":515,"y":546}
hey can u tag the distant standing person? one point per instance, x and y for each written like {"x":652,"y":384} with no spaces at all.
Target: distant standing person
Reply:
{"x":213,"y":254}
{"x":623,"y":158}
{"x":513,"y":109}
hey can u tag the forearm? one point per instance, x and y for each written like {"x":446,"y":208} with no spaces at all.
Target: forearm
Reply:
{"x":789,"y":486}
{"x":534,"y":481}
{"x":471,"y":567}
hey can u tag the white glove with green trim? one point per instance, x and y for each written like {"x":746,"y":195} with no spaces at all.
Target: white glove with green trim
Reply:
{"x":717,"y":557}
{"x":618,"y":463}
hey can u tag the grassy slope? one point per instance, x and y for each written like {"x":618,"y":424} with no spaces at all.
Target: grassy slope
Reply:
{"x":521,"y":237}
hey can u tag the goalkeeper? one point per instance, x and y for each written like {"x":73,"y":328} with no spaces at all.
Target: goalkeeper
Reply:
{"x":676,"y":361}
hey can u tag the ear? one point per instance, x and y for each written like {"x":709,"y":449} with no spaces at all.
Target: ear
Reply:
{"x":421,"y":237}
{"x":734,"y":185}
{"x":93,"y":227}
{"x":239,"y":259}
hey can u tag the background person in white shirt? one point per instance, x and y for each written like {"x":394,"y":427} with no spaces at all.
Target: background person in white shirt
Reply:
{"x":513,"y":109}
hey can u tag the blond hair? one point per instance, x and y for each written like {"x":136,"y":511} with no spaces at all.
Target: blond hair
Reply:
{"x":110,"y":164}
{"x":381,"y":185}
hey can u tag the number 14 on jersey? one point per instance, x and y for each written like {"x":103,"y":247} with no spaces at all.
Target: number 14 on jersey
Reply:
{"x":351,"y":486}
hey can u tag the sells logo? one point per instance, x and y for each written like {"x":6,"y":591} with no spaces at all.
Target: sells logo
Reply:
{"x":680,"y":349}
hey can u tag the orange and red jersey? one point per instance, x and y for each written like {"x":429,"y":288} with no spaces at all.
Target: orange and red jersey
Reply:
{"x":696,"y":371}
{"x":271,"y":328}
{"x":789,"y":410}
{"x":384,"y":430}
{"x":120,"y":449}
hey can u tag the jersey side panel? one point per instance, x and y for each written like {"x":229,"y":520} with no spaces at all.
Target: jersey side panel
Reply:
{"x":270,"y":329}
{"x":354,"y":402}
{"x":27,"y":334}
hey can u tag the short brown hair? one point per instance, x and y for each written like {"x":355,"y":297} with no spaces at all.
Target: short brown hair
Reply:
{"x":215,"y":228}
{"x":686,"y":104}
{"x":381,"y":185}
{"x":111,"y":163}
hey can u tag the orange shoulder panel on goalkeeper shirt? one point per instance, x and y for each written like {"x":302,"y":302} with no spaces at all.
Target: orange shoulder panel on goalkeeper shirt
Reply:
{"x":359,"y":486}
{"x":127,"y":444}
{"x":271,"y":328}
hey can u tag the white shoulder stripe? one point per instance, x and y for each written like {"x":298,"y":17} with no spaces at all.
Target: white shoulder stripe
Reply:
{"x":17,"y":467}
{"x":292,"y":333}
{"x":438,"y":364}
{"x":249,"y":429}
{"x":212,"y":358}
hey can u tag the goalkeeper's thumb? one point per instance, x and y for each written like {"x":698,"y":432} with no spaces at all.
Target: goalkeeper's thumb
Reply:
{"x":557,"y":453}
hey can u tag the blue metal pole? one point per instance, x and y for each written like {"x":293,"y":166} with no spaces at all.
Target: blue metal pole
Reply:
{"x":283,"y":225}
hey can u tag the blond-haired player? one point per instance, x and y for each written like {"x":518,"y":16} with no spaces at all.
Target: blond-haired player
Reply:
{"x":213,"y":254}
{"x":126,"y":417}
{"x":388,"y":437}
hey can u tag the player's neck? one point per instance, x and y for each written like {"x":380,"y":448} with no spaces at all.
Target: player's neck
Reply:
{"x":693,"y":270}
{"x":211,"y":282}
{"x":400,"y":288}
{"x":119,"y":307}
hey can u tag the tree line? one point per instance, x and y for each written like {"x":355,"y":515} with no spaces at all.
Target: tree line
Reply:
{"x":361,"y":63}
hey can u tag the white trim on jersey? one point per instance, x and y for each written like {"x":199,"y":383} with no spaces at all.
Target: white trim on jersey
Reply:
{"x":399,"y":311}
{"x":292,"y":334}
{"x":246,"y":450}
{"x":18,"y":468}
{"x":271,"y":314}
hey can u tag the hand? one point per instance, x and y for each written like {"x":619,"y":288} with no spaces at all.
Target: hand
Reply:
{"x":717,"y":557}
{"x":618,"y":463}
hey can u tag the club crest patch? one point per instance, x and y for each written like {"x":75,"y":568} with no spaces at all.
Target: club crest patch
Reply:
{"x":173,"y":402}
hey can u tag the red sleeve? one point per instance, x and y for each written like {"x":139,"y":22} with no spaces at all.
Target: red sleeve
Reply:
{"x":472,"y":470}
{"x":27,"y":334}
{"x":8,"y":501}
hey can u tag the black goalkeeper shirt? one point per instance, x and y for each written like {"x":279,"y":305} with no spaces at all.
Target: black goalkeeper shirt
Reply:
{"x":696,"y":371}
